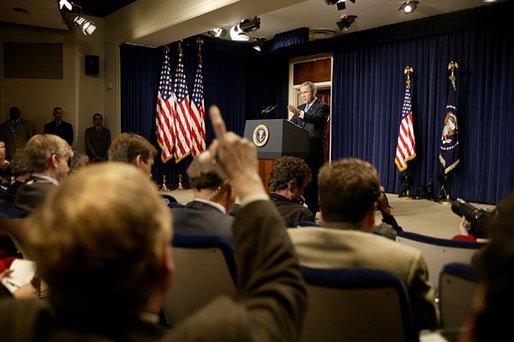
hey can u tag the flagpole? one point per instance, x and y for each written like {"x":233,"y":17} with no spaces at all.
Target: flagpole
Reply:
{"x":405,"y":150}
{"x":449,"y":157}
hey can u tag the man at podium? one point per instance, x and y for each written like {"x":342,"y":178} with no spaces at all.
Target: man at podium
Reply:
{"x":312,"y":116}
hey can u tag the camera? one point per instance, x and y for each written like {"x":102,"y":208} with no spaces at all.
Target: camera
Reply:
{"x":476,"y":217}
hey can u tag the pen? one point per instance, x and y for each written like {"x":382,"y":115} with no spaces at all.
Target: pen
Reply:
{"x":11,"y":283}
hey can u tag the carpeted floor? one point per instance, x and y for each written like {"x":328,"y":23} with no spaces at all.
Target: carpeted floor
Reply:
{"x":419,"y":216}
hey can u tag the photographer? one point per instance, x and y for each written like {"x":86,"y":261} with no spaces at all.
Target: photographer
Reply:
{"x":472,"y":227}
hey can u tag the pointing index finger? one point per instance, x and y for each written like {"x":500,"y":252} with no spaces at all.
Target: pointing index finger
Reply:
{"x":218,"y":125}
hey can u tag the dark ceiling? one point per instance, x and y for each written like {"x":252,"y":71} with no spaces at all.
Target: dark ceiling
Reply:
{"x":102,"y":8}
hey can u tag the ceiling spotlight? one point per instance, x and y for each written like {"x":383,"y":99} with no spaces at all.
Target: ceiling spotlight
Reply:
{"x":88,"y":27}
{"x":250,"y":24}
{"x":409,"y":6}
{"x":346,"y":21}
{"x":341,"y":4}
{"x":238,"y":35}
{"x":218,"y":32}
{"x":258,"y":44}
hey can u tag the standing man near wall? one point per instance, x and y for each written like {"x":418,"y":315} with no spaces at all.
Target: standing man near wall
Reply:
{"x":98,"y":140}
{"x":312,"y":116}
{"x":59,"y":127}
{"x":15,"y":132}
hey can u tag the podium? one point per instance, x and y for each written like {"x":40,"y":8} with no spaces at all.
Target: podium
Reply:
{"x":275,"y":138}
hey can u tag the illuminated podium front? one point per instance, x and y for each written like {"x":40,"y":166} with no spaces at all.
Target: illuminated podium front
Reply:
{"x":275,"y":138}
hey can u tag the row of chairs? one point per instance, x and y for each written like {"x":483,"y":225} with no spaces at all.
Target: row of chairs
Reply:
{"x":344,"y":304}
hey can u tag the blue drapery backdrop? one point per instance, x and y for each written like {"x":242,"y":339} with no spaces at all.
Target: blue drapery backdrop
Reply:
{"x":367,"y":94}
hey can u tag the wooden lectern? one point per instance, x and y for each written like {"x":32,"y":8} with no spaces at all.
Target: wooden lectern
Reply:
{"x":275,"y":138}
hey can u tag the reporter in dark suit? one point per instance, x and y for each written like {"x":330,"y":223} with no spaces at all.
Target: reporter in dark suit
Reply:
{"x":312,"y":116}
{"x":59,"y":127}
{"x":98,"y":140}
{"x":208,"y":212}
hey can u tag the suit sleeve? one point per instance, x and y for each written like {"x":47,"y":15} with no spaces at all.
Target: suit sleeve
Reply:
{"x":422,"y":295}
{"x":271,"y":299}
{"x":319,"y":117}
{"x":90,"y":150}
{"x":69,"y":137}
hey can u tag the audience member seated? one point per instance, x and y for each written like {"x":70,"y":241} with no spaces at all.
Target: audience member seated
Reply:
{"x":133,"y":149}
{"x":389,"y":227}
{"x":208,"y":212}
{"x":108,"y":273}
{"x":46,"y":157}
{"x":348,"y":191}
{"x":79,"y":160}
{"x":289,"y":177}
{"x":490,"y":319}
{"x":20,"y":176}
{"x":5,"y":169}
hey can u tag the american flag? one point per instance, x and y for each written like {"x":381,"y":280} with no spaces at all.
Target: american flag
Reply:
{"x":164,"y":123}
{"x":181,"y":113}
{"x":198,"y":113}
{"x":406,"y":148}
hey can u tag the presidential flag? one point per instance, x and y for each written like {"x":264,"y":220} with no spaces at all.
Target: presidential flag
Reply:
{"x":198,"y":113}
{"x":164,"y":122}
{"x":449,"y":155}
{"x":181,"y":113}
{"x":406,"y":148}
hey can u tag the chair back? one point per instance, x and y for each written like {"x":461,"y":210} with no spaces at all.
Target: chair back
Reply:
{"x":13,"y":227}
{"x":356,"y":304}
{"x":439,"y":252}
{"x":205,"y":269}
{"x":457,"y":285}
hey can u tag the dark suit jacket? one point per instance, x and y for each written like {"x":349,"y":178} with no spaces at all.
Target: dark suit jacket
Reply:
{"x":65,"y":130}
{"x":316,"y":118}
{"x":315,"y":121}
{"x":291,"y":212}
{"x":270,"y":307}
{"x":97,"y":143}
{"x":15,"y":135}
{"x":201,"y":218}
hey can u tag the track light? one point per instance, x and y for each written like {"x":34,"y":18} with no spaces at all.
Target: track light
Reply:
{"x":250,"y":24}
{"x":88,"y":27}
{"x":346,"y":21}
{"x":258,"y":44}
{"x":218,"y":32}
{"x":238,"y":35}
{"x":409,"y":6}
{"x":341,"y":4}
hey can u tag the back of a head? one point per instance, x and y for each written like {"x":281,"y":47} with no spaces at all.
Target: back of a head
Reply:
{"x":97,"y":241}
{"x":127,"y":146}
{"x":200,"y":179}
{"x":39,"y":149}
{"x":348,"y":189}
{"x":496,"y":263}
{"x":288,"y":169}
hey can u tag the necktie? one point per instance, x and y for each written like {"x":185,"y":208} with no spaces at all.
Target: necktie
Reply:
{"x":98,"y":130}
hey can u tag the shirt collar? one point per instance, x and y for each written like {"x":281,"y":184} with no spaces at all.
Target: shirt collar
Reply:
{"x":45,"y":177}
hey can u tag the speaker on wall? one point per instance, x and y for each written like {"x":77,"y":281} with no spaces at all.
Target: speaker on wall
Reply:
{"x":92,"y":64}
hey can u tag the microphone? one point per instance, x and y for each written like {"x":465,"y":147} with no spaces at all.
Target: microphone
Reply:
{"x":268,"y":109}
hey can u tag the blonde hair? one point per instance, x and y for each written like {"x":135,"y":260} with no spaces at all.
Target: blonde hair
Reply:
{"x":98,"y":241}
{"x":37,"y":152}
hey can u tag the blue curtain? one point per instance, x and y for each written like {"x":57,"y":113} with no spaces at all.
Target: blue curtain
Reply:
{"x":368,"y":86}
